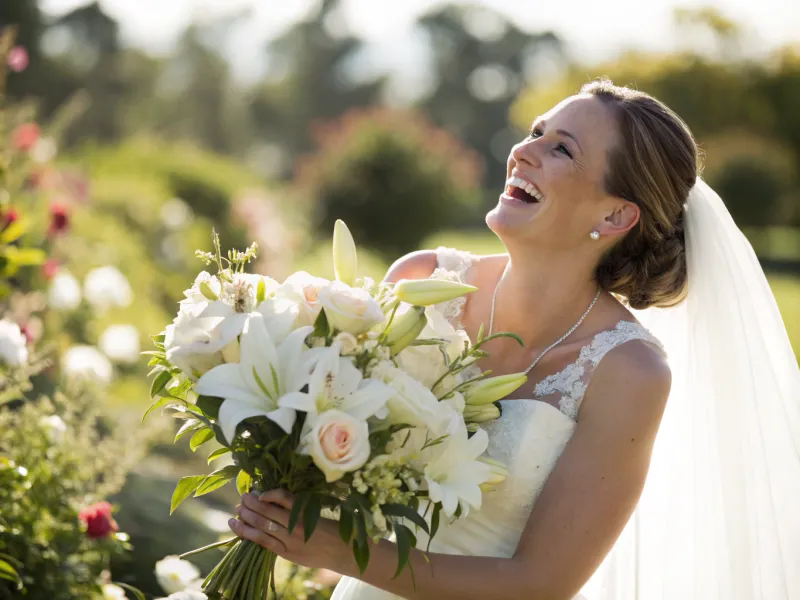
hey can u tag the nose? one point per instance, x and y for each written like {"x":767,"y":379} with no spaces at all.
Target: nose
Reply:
{"x":524,"y":153}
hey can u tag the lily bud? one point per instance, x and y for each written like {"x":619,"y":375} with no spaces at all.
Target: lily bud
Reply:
{"x":481,"y":414}
{"x":426,"y":292}
{"x":492,"y":389}
{"x":345,"y":257}
{"x":498,"y":474}
{"x":405,"y":328}
{"x":206,"y":290}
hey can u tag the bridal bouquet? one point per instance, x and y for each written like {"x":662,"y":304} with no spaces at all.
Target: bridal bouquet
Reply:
{"x":357,"y":397}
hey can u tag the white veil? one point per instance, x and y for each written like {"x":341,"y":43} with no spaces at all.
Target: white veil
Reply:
{"x":719,"y":517}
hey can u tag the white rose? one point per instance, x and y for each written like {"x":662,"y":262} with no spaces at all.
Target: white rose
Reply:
{"x":303,"y":289}
{"x":120,"y":343}
{"x":347,"y":342}
{"x":411,"y":402}
{"x":350,"y":309}
{"x":87,"y":362}
{"x":195,"y":343}
{"x":338,"y":444}
{"x":54,"y":428}
{"x":105,"y":287}
{"x":426,"y":363}
{"x":13,"y":345}
{"x":175,"y":574}
{"x":64,"y":292}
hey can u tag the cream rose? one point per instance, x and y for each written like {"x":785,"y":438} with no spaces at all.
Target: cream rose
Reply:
{"x":338,"y":444}
{"x":411,"y":402}
{"x":302,"y":290}
{"x":350,"y":309}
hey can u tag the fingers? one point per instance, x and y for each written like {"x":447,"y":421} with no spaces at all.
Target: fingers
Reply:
{"x":266,"y":509}
{"x":281,"y":497}
{"x":246,"y":532}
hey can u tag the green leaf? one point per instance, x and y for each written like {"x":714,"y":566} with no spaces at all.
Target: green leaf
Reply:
{"x":311,"y":516}
{"x":346,"y":524}
{"x":26,"y":256}
{"x":184,"y":489}
{"x":8,"y":572}
{"x":163,"y":401}
{"x":360,"y":527}
{"x":243,"y":480}
{"x":190,"y":426}
{"x":404,"y":538}
{"x":217,"y":479}
{"x":361,"y":554}
{"x":200,"y":438}
{"x":137,"y":594}
{"x":209,"y":405}
{"x":158,"y":339}
{"x":437,"y":508}
{"x":13,"y":232}
{"x":299,"y":502}
{"x":321,"y":326}
{"x":217,"y":453}
{"x":161,"y":380}
{"x":400,"y":510}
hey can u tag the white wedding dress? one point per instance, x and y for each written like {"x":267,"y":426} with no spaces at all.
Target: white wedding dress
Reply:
{"x":528,"y":438}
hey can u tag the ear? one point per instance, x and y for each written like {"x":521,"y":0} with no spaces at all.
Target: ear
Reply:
{"x":621,"y":220}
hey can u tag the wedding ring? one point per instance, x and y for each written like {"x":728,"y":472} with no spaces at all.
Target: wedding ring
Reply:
{"x":273,"y":526}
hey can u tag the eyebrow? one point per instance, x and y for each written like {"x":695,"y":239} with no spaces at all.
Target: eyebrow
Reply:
{"x":563,"y":132}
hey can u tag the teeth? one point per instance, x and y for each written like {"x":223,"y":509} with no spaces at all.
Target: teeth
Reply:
{"x":524,"y":185}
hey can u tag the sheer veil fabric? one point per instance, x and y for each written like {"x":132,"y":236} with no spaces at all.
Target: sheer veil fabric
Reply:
{"x":719,"y":516}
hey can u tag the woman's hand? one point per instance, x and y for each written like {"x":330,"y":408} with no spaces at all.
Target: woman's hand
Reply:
{"x":264,"y":520}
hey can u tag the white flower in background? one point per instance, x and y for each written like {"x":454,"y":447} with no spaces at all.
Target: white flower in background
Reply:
{"x":176,"y":214}
{"x":426,"y":363}
{"x":350,"y":309}
{"x":44,"y":150}
{"x":89,"y":362}
{"x":54,"y":428}
{"x":186,"y":595}
{"x":410,"y":402}
{"x":335,"y":384}
{"x":269,"y":369}
{"x":113,"y":592}
{"x":175,"y":574}
{"x":13,"y":345}
{"x":338,"y":444}
{"x":105,"y":287}
{"x":120,"y":343}
{"x":454,"y":473}
{"x":64,"y":292}
{"x":303,"y":290}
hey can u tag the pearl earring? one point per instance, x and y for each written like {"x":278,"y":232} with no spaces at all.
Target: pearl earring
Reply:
{"x":595,"y":235}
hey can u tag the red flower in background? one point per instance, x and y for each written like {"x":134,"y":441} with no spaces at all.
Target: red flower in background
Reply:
{"x":49,"y":268}
{"x":17,"y":59}
{"x":25,"y":136}
{"x":59,"y":219}
{"x":98,"y":519}
{"x":8,"y":218}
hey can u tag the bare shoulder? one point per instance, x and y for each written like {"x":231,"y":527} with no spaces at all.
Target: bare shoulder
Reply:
{"x":414,"y":265}
{"x":630,"y":385}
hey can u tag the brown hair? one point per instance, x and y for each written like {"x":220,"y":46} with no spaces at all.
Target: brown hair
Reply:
{"x":654,"y":166}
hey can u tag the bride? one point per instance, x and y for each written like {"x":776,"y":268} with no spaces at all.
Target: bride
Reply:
{"x":655,"y":453}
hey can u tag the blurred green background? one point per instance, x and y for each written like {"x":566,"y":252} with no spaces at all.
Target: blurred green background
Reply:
{"x":198,"y":117}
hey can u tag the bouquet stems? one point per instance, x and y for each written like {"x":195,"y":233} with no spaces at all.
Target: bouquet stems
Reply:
{"x":246,"y":572}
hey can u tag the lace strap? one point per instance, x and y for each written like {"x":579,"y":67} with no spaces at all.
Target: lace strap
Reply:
{"x":571,"y":382}
{"x":452,"y":265}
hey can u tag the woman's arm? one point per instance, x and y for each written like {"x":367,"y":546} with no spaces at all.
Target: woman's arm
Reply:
{"x":415,"y":265}
{"x":580,"y":513}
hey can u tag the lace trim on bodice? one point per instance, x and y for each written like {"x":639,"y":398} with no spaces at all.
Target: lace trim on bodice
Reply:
{"x":567,"y":387}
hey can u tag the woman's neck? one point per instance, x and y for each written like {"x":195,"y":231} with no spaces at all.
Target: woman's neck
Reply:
{"x":542,"y":295}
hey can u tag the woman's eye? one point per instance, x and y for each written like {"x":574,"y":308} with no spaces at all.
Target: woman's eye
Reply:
{"x":536,"y":132}
{"x":564,"y":150}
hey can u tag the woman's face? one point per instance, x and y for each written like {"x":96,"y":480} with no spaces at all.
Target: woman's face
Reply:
{"x":554,"y":191}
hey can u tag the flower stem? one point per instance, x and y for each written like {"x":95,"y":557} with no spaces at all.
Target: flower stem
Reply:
{"x":209,"y":547}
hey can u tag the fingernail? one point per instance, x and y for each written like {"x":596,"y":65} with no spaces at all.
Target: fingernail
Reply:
{"x":232,"y":522}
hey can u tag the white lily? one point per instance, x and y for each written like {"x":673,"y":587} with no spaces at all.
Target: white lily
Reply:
{"x":336,"y":384}
{"x":454,"y":474}
{"x":268,"y":370}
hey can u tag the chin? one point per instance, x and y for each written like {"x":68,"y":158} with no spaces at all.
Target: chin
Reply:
{"x":511,"y":217}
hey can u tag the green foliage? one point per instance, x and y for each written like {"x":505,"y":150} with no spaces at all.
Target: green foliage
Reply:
{"x":378,"y":170}
{"x":48,"y":473}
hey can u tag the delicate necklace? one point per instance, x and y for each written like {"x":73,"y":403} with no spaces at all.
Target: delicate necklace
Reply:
{"x":559,"y":340}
